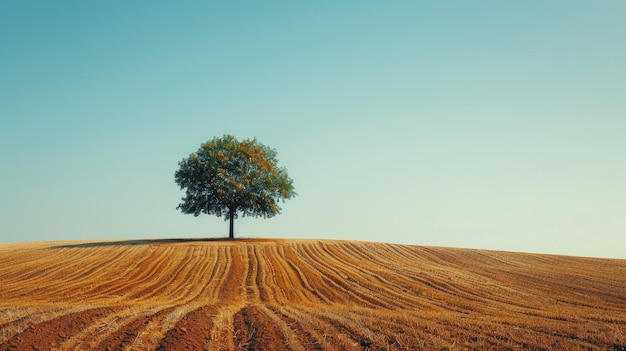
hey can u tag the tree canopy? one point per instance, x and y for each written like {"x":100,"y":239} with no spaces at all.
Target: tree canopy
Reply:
{"x":226,"y":177}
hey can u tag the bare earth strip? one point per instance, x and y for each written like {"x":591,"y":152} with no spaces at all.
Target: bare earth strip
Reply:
{"x":130,"y":333}
{"x":297,"y":295}
{"x":257,"y":331}
{"x":192,"y":332}
{"x":50,"y":334}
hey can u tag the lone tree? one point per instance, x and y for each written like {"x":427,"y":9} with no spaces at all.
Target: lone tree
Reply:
{"x":226,"y":177}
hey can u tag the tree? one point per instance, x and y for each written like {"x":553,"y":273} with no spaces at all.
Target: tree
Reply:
{"x":226,"y":177}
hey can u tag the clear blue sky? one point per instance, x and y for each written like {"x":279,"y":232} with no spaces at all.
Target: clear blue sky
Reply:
{"x":483,"y":124}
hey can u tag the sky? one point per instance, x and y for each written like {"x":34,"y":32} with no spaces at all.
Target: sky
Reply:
{"x":479,"y":124}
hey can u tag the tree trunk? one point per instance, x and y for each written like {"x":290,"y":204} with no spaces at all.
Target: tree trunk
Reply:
{"x":231,"y":233}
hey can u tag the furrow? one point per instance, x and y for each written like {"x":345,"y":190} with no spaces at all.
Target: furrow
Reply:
{"x":252,"y":293}
{"x":129,"y":329}
{"x":307,"y":276}
{"x":50,"y":334}
{"x":40,"y":284}
{"x":367,"y":278}
{"x":17,"y":320}
{"x":91,"y":336}
{"x":233,"y":287}
{"x":395,"y":287}
{"x":200,"y":282}
{"x":222,"y":336}
{"x":352,"y":328}
{"x":132,"y":274}
{"x":168,"y":279}
{"x":101,"y":262}
{"x":142,"y":284}
{"x":255,"y":330}
{"x":277,"y":279}
{"x":149,"y":337}
{"x":48,"y":260}
{"x":326,"y":335}
{"x":212,"y":279}
{"x":192,"y":332}
{"x":287,"y":288}
{"x":340,"y":275}
{"x":326,"y":281}
{"x":264,"y":272}
{"x":307,"y":339}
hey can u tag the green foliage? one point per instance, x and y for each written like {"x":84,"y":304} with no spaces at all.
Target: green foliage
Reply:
{"x":226,"y":177}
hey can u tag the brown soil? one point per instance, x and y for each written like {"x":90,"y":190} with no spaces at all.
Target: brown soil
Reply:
{"x":255,"y":331}
{"x":192,"y":332}
{"x":50,"y":334}
{"x":124,"y":336}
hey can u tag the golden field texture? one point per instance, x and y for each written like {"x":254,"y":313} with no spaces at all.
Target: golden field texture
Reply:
{"x":304,"y":295}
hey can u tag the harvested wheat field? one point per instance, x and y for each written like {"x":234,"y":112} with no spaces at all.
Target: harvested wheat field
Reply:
{"x":304,"y":295}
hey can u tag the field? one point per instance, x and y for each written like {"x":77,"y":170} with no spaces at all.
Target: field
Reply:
{"x":304,"y":295}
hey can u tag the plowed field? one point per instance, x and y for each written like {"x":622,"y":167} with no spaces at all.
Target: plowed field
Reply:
{"x":304,"y":295}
